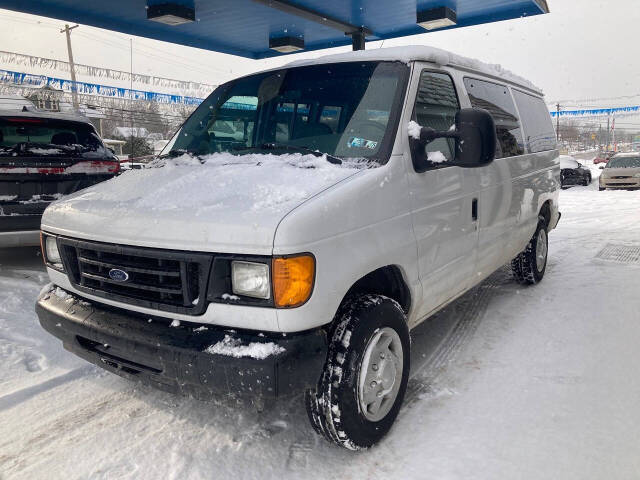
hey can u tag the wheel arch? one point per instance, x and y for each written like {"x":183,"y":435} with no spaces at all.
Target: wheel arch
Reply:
{"x":388,"y":281}
{"x":545,"y":212}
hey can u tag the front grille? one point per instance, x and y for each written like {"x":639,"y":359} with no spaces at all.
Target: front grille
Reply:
{"x":160,"y":279}
{"x":621,"y":176}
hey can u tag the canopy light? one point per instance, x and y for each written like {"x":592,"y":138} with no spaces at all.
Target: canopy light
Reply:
{"x":437,"y":18}
{"x":286,"y":44}
{"x":171,"y":13}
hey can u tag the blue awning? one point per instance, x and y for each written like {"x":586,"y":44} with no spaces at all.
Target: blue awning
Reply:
{"x":245,"y":27}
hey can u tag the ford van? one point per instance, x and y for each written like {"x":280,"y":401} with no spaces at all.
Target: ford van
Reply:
{"x":298,"y":226}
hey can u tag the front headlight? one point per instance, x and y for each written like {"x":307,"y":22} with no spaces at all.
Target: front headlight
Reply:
{"x":51,"y":253}
{"x":250,"y":279}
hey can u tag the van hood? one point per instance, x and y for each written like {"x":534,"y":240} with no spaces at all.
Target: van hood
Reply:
{"x":216,"y":203}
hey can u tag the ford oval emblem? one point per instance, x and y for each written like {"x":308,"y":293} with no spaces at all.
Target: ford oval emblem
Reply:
{"x":118,"y":275}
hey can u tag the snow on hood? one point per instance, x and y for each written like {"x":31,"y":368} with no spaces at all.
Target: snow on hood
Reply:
{"x":219,"y":202}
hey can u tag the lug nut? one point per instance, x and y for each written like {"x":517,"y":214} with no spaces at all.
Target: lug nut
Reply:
{"x":379,"y":394}
{"x":373,"y":384}
{"x":375,"y":367}
{"x":382,"y":356}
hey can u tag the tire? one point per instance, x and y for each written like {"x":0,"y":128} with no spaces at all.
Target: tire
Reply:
{"x":526,"y":268}
{"x":587,"y":181}
{"x":335,"y":407}
{"x":601,"y":188}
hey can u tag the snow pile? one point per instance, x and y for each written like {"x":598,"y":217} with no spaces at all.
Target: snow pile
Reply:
{"x":7,"y":198}
{"x":436,"y":157}
{"x":45,"y":151}
{"x":232,"y":347}
{"x":61,"y":294}
{"x":219,"y":182}
{"x":228,"y":296}
{"x":43,"y":198}
{"x":414,"y":130}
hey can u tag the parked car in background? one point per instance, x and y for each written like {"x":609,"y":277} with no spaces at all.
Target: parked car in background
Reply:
{"x":573,"y":172}
{"x":603,"y":157}
{"x":44,"y":156}
{"x":343,"y":202}
{"x":622,"y":171}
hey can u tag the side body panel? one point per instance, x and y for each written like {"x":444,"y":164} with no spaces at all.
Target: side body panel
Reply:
{"x":446,"y":233}
{"x":360,"y":227}
{"x":511,"y":192}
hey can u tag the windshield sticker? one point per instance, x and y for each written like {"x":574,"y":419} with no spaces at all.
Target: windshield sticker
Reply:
{"x":357,"y":142}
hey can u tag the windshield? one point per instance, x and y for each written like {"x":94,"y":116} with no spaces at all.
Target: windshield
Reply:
{"x":342,"y":109}
{"x":24,"y":136}
{"x":624,"y":162}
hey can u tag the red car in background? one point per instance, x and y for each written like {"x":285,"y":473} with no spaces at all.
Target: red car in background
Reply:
{"x":603,"y":157}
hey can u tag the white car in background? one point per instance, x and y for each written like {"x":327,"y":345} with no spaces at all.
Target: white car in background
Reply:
{"x":622,"y":171}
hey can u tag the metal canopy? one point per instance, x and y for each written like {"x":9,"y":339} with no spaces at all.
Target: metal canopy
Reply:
{"x":244,"y":27}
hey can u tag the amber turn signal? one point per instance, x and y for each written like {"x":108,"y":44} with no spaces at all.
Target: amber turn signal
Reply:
{"x":293,"y":279}
{"x":44,"y":258}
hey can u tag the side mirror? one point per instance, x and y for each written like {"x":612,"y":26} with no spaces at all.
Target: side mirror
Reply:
{"x":475,"y":140}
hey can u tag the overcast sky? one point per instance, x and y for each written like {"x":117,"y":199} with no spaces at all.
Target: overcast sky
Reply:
{"x":584,"y":49}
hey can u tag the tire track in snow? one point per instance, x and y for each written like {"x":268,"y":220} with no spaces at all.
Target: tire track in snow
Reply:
{"x":21,"y":453}
{"x":16,"y":398}
{"x":471,"y":307}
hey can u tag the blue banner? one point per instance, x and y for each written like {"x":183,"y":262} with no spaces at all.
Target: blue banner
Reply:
{"x":19,"y":78}
{"x":595,"y":111}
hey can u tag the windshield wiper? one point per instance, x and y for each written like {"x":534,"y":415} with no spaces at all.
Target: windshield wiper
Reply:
{"x":292,"y":148}
{"x":179,"y":151}
{"x":173,"y":153}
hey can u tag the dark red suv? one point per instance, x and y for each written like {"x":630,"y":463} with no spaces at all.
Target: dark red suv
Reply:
{"x":44,"y":156}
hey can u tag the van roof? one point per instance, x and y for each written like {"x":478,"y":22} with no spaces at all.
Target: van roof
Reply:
{"x":33,"y":113}
{"x":423,"y":53}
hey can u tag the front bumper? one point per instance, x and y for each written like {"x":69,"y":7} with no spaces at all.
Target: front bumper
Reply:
{"x":26,"y":238}
{"x":175,"y":359}
{"x":631,"y":182}
{"x":19,"y":230}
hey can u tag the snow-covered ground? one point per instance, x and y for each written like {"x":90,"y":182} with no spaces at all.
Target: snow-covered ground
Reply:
{"x":508,"y":382}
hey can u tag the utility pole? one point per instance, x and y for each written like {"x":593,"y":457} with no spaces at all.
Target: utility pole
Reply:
{"x":74,"y":88}
{"x":608,"y":131}
{"x":558,"y":122}
{"x":613,"y":133}
{"x":131,"y":92}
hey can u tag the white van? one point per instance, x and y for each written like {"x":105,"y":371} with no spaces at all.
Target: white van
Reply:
{"x":300,"y":223}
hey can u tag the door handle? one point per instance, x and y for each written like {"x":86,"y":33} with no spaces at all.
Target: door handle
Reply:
{"x":474,"y":209}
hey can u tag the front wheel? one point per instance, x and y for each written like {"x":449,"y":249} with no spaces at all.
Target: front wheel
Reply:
{"x":365,"y":377}
{"x":530,"y":264}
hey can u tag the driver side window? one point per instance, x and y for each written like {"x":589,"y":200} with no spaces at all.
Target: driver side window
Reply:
{"x":436,"y":106}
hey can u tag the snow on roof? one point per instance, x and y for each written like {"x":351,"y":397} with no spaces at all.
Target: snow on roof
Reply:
{"x":34,"y":113}
{"x":425,"y":54}
{"x":11,"y":102}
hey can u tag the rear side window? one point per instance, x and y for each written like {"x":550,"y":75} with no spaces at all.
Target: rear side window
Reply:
{"x":436,"y":107}
{"x":497,"y":100}
{"x":46,"y":137}
{"x":538,"y":128}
